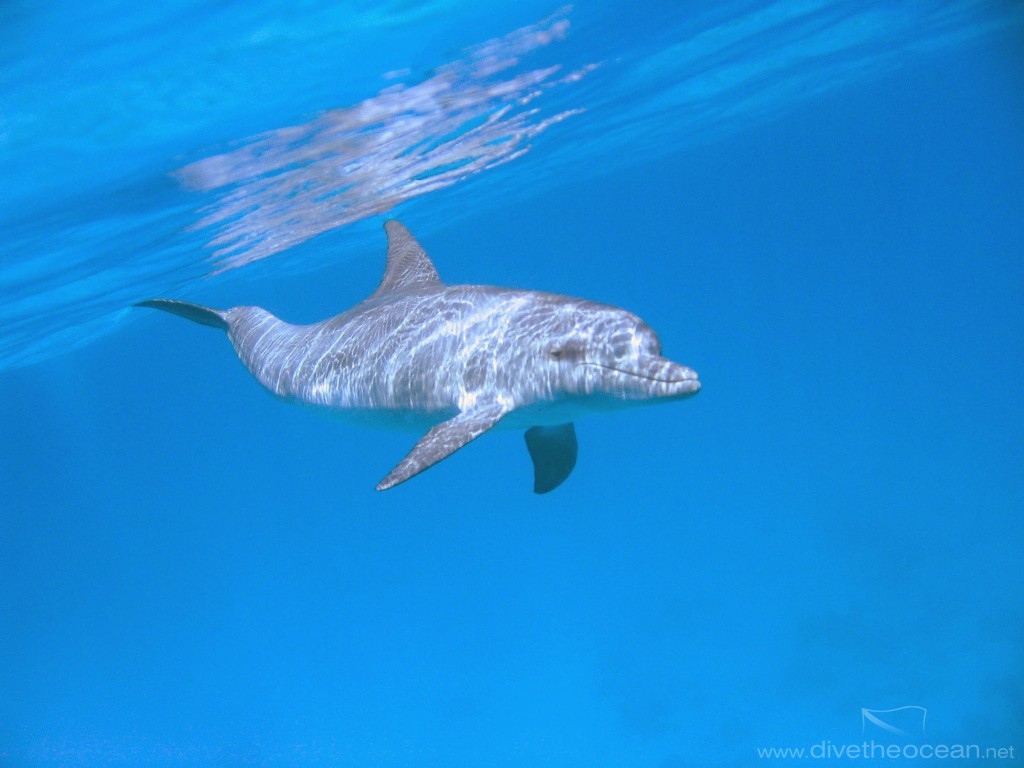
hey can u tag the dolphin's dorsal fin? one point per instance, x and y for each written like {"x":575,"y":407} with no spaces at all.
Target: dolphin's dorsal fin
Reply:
{"x":408,"y":266}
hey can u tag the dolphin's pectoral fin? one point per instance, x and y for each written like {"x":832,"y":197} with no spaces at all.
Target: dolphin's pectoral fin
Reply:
{"x":553,"y":450}
{"x":444,"y":440}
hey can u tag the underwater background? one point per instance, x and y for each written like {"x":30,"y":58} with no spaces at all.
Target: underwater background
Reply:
{"x":817,"y":205}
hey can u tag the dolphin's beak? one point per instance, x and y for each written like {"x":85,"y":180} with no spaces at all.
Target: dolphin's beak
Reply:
{"x":654,"y":376}
{"x":676,"y":379}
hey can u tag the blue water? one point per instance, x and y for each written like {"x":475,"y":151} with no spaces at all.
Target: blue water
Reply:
{"x":819,"y":206}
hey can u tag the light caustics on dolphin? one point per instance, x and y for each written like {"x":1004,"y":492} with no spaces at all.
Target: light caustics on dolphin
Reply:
{"x":456,"y":361}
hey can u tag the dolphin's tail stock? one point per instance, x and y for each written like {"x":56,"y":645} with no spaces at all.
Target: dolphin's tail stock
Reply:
{"x":215,"y":318}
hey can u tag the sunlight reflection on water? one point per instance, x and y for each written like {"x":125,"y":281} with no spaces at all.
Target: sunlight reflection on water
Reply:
{"x":285,"y":186}
{"x":112,"y":214}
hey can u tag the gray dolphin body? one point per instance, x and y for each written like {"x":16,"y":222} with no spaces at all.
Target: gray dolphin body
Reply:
{"x":456,"y":360}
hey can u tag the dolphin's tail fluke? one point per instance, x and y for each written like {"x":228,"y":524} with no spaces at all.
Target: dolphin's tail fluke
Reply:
{"x":215,"y":318}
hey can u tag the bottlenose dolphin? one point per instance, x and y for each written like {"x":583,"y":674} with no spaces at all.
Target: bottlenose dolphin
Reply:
{"x":456,"y":360}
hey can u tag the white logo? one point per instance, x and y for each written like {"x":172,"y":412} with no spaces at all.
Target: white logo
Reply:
{"x":902,"y":721}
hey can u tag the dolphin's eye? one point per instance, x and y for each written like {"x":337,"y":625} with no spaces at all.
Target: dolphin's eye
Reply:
{"x":566,"y":351}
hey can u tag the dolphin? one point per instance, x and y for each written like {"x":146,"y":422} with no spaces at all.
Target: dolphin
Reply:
{"x":455,"y":361}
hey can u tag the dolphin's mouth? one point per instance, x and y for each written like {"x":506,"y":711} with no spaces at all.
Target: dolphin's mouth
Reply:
{"x":659,"y":371}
